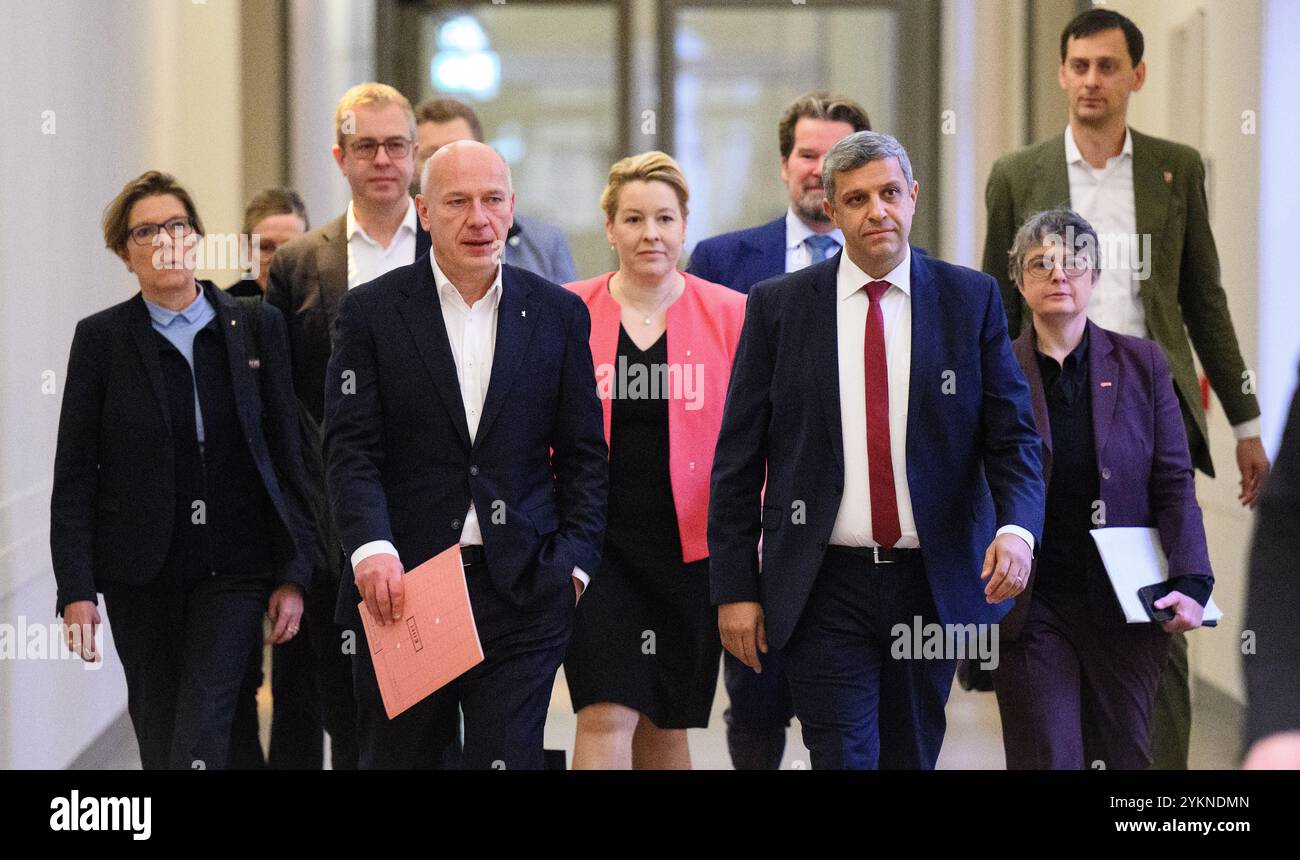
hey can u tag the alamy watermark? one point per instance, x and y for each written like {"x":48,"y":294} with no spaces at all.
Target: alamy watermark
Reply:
{"x":934,"y":641}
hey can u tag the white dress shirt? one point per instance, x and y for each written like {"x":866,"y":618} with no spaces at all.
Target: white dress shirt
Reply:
{"x":853,"y":522}
{"x":797,"y":254}
{"x":367,"y":259}
{"x":472,"y":334}
{"x":1105,"y":197}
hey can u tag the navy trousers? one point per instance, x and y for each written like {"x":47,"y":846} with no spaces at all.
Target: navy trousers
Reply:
{"x":758,"y":712}
{"x":504,"y":699}
{"x":184,"y":649}
{"x":860,"y":708}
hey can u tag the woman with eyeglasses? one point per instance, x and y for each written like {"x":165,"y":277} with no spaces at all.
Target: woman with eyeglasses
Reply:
{"x":177,"y":483}
{"x":1075,"y":683}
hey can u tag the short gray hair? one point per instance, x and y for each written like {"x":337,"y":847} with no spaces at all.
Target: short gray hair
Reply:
{"x":859,"y":148}
{"x":1063,"y":224}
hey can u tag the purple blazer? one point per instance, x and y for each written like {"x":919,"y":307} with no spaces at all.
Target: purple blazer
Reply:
{"x":1144,"y":468}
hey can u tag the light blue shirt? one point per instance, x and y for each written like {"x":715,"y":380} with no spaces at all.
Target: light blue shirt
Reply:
{"x":180,"y":327}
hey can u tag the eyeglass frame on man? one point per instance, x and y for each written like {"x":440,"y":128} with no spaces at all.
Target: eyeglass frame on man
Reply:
{"x":405,"y":143}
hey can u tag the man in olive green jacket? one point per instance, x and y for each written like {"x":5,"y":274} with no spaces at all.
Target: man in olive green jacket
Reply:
{"x":1146,"y":198}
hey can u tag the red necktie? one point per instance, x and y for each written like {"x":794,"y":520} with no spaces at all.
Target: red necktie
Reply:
{"x":880,"y":464}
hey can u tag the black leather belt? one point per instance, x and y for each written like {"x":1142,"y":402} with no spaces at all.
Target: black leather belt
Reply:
{"x":472,"y":554}
{"x":879,"y":554}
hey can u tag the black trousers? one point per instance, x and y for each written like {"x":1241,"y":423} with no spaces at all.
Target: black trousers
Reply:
{"x":296,"y":732}
{"x":333,"y":668}
{"x":504,"y":698}
{"x":185,"y":649}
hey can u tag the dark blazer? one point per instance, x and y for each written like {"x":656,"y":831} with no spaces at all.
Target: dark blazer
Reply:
{"x":307,"y":280}
{"x":113,"y":503}
{"x":743,"y":258}
{"x":1273,"y":595}
{"x":399,"y":460}
{"x":1144,"y":471}
{"x":972,"y":455}
{"x":1183,"y":296}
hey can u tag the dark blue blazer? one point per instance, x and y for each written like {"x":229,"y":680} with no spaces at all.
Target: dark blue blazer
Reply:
{"x":113,"y":503}
{"x":743,"y":258}
{"x":399,"y":459}
{"x":973,"y":453}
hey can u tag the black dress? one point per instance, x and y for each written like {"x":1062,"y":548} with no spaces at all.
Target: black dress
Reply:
{"x":645,"y":635}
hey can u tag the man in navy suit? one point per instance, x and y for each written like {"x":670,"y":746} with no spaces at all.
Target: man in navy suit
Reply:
{"x":877,"y":434}
{"x":809,"y":127}
{"x":760,"y":708}
{"x":461,"y":407}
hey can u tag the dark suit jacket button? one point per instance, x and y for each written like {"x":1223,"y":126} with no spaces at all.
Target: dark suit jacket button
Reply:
{"x":455,"y":524}
{"x":473,"y":471}
{"x":1105,"y":473}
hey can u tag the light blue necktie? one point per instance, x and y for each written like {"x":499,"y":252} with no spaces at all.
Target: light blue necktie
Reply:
{"x":821,"y":247}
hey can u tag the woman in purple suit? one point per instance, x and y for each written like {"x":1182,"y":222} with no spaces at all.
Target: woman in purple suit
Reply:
{"x":1076,"y":683}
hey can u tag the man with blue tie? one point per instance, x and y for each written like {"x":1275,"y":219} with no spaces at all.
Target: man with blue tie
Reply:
{"x":804,"y":234}
{"x":878,"y":438}
{"x":760,"y":707}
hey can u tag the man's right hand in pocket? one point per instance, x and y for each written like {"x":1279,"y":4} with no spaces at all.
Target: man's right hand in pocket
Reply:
{"x":743,"y":631}
{"x":379,"y":579}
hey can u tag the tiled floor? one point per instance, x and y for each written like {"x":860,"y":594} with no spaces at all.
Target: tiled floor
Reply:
{"x":973,"y":740}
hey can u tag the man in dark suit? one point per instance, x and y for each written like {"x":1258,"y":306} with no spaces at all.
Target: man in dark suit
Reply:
{"x":760,"y":709}
{"x":809,"y":127}
{"x":461,"y":407}
{"x":1146,"y":198}
{"x":531,"y":244}
{"x":877,"y":433}
{"x":374,"y":149}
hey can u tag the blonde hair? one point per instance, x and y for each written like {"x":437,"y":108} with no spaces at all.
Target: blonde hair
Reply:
{"x":365,"y":95}
{"x":653,"y":166}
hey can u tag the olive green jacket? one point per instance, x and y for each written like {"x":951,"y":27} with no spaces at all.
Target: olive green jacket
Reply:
{"x":1183,"y":297}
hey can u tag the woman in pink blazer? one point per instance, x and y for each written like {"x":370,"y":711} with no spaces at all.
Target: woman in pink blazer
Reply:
{"x":643,"y":663}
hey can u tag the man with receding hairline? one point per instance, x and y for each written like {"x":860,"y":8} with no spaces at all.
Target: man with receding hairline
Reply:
{"x":472,"y":419}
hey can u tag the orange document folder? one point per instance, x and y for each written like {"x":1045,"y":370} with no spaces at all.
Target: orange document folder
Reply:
{"x":436,"y":640}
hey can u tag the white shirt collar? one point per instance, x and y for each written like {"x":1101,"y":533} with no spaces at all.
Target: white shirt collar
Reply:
{"x":447,"y":290}
{"x":353,"y":228}
{"x":851,"y":279}
{"x":796,"y":231}
{"x":1074,"y":156}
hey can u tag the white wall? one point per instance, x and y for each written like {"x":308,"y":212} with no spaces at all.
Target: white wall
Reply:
{"x":331,"y":47}
{"x":132,"y":84}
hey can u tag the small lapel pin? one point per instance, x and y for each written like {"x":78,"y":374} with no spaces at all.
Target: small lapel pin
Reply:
{"x":1105,"y":385}
{"x":523,"y":313}
{"x":1169,"y":177}
{"x":232,"y":322}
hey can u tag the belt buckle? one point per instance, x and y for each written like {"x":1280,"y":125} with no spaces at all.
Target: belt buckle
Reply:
{"x":875,"y":555}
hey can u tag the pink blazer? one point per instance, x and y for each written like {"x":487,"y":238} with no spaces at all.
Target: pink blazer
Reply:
{"x":703,"y":330}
